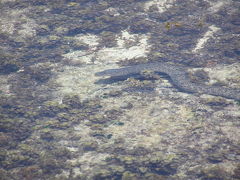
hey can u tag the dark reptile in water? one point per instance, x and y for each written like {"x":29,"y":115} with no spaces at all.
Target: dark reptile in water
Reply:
{"x":179,"y":78}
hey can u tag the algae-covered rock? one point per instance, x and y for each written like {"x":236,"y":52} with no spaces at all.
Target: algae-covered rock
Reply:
{"x":18,"y":128}
{"x":64,"y":117}
{"x":98,"y":118}
{"x":237,"y":172}
{"x":40,"y":73}
{"x":29,"y":172}
{"x":89,"y":146}
{"x":161,"y":164}
{"x":102,"y":174}
{"x":62,"y":153}
{"x":51,"y":108}
{"x":216,"y":157}
{"x":214,"y":172}
{"x":215,"y":101}
{"x":60,"y":121}
{"x":3,"y":154}
{"x":72,"y":100}
{"x":4,"y":139}
{"x":153,"y":176}
{"x":117,"y":169}
{"x":15,"y":159}
{"x":28,"y":150}
{"x":47,"y":136}
{"x":8,"y":65}
{"x":128,"y":159}
{"x":5,"y":175}
{"x":127,"y":175}
{"x":49,"y":164}
{"x":42,"y":30}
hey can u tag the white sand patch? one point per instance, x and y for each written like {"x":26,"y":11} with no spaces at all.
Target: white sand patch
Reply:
{"x":202,"y":41}
{"x":232,"y":132}
{"x":4,"y":1}
{"x":162,"y":5}
{"x":112,"y":11}
{"x":63,"y":175}
{"x":4,"y":86}
{"x":217,"y":5}
{"x":80,"y":80}
{"x":84,"y":56}
{"x":80,"y":57}
{"x":83,"y":131}
{"x":138,"y":48}
{"x":28,"y":29}
{"x":90,"y":39}
{"x":145,"y":124}
{"x":128,"y":46}
{"x":16,"y":22}
{"x":88,"y":162}
{"x":77,"y":80}
{"x":227,"y":74}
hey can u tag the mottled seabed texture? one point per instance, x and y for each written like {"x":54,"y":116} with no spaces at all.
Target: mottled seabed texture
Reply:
{"x":61,"y":119}
{"x":179,"y":78}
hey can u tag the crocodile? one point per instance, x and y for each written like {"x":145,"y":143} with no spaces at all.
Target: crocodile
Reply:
{"x":179,"y":78}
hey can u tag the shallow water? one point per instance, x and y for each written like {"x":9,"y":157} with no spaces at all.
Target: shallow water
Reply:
{"x":179,"y":78}
{"x":60,"y":120}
